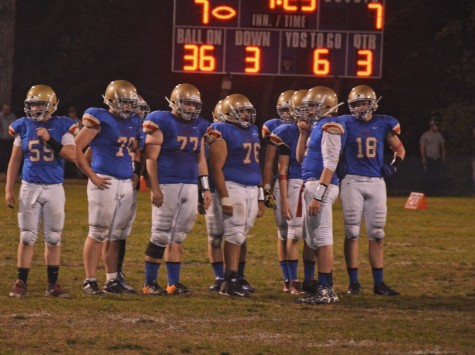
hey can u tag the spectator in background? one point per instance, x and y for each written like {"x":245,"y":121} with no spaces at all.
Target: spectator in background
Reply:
{"x":72,"y":113}
{"x":6,"y":140}
{"x":432,"y":149}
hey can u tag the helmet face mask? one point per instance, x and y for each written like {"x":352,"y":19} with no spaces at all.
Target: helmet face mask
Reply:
{"x":283,"y":106}
{"x":321,"y":102}
{"x":185,"y":100}
{"x":362,"y":102}
{"x":298,"y":109}
{"x":142,"y":109}
{"x":237,"y":109}
{"x":40,"y":103}
{"x":121,"y":97}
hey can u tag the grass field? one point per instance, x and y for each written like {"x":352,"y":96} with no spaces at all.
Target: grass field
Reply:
{"x":429,"y":258}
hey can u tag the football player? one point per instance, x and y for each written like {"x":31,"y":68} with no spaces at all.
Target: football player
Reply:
{"x":363,"y":189}
{"x":175,"y":160}
{"x":288,"y":211}
{"x":112,"y":137}
{"x":234,"y":162}
{"x":323,"y":136}
{"x":142,"y":110}
{"x":215,"y":229}
{"x":42,"y":144}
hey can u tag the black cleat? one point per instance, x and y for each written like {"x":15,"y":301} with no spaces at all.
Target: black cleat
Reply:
{"x":115,"y":287}
{"x":91,"y":288}
{"x":245,"y":285}
{"x":217,"y":285}
{"x":383,"y":290}
{"x":354,"y":289}
{"x":233,"y":288}
{"x":310,"y":286}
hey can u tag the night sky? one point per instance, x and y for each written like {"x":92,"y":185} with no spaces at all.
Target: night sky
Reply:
{"x":78,"y":47}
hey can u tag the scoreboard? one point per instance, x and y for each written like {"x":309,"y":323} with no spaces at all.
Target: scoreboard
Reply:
{"x":321,"y":38}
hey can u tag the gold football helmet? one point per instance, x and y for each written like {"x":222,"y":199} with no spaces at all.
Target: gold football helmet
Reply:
{"x":185,"y":100}
{"x":283,"y":106}
{"x":237,"y":109}
{"x":297,"y":108}
{"x":121,"y":96}
{"x":321,"y":102}
{"x":143,"y":109}
{"x":40,"y":102}
{"x":217,"y":112}
{"x":362,"y":93}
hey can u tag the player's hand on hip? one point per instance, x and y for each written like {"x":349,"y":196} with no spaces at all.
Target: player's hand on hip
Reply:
{"x":228,"y":210}
{"x":262,"y":209}
{"x":156,"y":197}
{"x":314,"y":207}
{"x":101,"y":182}
{"x":43,"y":133}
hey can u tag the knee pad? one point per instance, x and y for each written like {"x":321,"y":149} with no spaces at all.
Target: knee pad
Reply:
{"x":154,"y":251}
{"x":28,"y":237}
{"x":282,"y":233}
{"x":352,"y":232}
{"x":295,"y":233}
{"x":215,"y":241}
{"x":376,"y":234}
{"x":98,"y":233}
{"x":53,"y":238}
{"x":178,"y":237}
{"x":236,"y":238}
{"x":160,"y":239}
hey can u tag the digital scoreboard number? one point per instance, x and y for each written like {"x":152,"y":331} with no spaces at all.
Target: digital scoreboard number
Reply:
{"x":322,"y":38}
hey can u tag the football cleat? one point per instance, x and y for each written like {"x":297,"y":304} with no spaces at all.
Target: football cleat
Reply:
{"x":177,"y":289}
{"x":19,"y":289}
{"x":296,"y":288}
{"x":217,"y":285}
{"x":55,"y":290}
{"x":354,"y":289}
{"x":91,"y":288}
{"x":310,"y":286}
{"x":124,"y":283}
{"x":114,"y":287}
{"x":324,"y":295}
{"x":245,"y":285}
{"x":233,"y":288}
{"x":153,"y":289}
{"x":383,"y":290}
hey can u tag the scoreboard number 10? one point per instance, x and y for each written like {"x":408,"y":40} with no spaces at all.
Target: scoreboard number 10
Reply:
{"x":322,"y":38}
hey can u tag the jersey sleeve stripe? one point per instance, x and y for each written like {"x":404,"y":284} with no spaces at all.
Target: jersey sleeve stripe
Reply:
{"x":74,"y":129}
{"x":397,"y":129}
{"x":11,"y":131}
{"x":90,"y":121}
{"x":265,"y":132}
{"x":276,"y":140}
{"x":150,"y":127}
{"x":333,"y":128}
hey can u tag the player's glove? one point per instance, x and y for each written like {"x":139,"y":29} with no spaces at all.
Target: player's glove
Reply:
{"x":269,"y":199}
{"x":341,"y":170}
{"x":390,"y":169}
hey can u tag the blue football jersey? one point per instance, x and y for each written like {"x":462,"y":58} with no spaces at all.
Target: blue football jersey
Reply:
{"x":364,"y":148}
{"x":40,"y":164}
{"x":243,"y":145}
{"x":312,"y":165}
{"x":110,"y":148}
{"x":269,"y":126}
{"x":287,"y":135}
{"x":178,"y":159}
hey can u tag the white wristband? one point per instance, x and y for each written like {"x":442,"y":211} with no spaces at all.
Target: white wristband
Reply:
{"x":226,"y":201}
{"x":266,"y":186}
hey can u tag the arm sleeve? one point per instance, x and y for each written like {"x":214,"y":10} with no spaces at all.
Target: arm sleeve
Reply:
{"x":331,"y":146}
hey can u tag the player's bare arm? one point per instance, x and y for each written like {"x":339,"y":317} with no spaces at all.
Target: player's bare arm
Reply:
{"x":396,"y":145}
{"x":203,"y":171}
{"x":217,"y":157}
{"x":84,"y":137}
{"x":153,"y":145}
{"x":67,"y":152}
{"x":12,"y":174}
{"x":304,"y":129}
{"x":284,"y":186}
